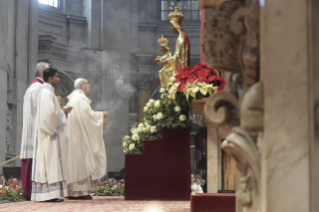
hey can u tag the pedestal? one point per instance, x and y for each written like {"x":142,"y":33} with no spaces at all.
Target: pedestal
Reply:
{"x":162,"y":171}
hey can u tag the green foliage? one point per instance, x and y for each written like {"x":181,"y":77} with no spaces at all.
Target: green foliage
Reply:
{"x":11,"y":193}
{"x":107,"y":191}
{"x":10,"y":197}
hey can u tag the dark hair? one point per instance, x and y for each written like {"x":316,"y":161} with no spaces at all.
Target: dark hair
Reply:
{"x":49,"y":72}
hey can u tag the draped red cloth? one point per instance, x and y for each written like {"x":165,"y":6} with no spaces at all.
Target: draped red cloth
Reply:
{"x":26,"y":174}
{"x":213,"y":202}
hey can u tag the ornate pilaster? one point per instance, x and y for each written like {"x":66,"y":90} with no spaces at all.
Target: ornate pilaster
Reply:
{"x":231,"y":45}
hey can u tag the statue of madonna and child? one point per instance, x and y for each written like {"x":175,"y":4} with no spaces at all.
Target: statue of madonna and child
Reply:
{"x":181,"y":55}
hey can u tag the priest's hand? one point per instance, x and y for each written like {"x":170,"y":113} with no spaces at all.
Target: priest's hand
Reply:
{"x":67,"y":110}
{"x":59,"y":99}
{"x":105,"y":114}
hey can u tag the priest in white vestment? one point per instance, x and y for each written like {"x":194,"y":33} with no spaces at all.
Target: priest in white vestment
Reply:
{"x":30,"y":103}
{"x":50,"y":149}
{"x":86,"y":149}
{"x":197,"y":186}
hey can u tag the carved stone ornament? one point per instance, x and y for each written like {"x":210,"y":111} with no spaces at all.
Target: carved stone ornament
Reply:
{"x":242,"y":146}
{"x":252,"y":109}
{"x":9,"y":126}
{"x":231,"y":45}
{"x":223,"y":109}
{"x":221,"y":46}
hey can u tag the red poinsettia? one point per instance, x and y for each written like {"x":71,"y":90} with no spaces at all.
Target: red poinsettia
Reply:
{"x":200,"y":72}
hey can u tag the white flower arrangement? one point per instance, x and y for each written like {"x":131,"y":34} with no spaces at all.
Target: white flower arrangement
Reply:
{"x":153,"y":129}
{"x":172,"y":79}
{"x":132,"y":146}
{"x":166,"y":112}
{"x":135,"y":137}
{"x":182,"y":117}
{"x":159,"y":116}
{"x":157,"y":104}
{"x":140,"y":125}
{"x":151,"y":101}
{"x":134,"y":131}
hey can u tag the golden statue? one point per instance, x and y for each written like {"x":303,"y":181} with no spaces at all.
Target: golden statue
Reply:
{"x":180,"y":59}
{"x":182,"y":46}
{"x":169,"y":68}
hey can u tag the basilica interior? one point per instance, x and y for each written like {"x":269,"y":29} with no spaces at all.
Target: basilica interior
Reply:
{"x":254,"y":143}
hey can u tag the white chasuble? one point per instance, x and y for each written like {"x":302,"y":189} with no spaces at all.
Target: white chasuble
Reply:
{"x":86,"y":148}
{"x":49,"y":174}
{"x":30,"y":104}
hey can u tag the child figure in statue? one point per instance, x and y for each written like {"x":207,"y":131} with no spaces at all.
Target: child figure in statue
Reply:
{"x":168,"y":69}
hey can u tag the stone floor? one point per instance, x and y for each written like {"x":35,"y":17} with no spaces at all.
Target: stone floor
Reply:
{"x":105,"y":204}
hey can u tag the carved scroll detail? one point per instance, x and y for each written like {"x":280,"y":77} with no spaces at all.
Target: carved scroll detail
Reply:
{"x":222,"y":109}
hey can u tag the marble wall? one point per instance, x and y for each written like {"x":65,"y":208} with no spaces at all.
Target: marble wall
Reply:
{"x":290,"y":72}
{"x":18,"y":56}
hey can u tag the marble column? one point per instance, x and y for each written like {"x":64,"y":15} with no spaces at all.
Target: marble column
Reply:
{"x":214,"y":178}
{"x":289,"y":66}
{"x":3,"y":77}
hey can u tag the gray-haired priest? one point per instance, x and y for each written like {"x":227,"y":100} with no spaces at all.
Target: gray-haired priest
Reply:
{"x":30,"y":104}
{"x":86,"y":149}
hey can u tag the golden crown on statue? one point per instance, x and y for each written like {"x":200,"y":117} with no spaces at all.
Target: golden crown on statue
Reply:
{"x":176,"y":15}
{"x":162,"y":41}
